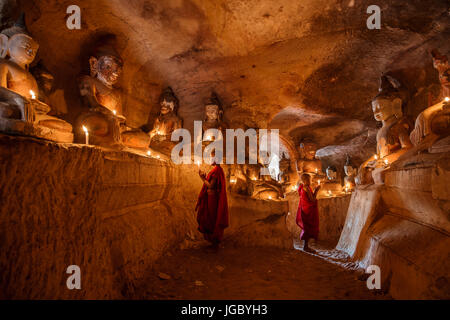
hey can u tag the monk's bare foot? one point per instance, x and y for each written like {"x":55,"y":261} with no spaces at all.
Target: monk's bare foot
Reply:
{"x":309,"y":250}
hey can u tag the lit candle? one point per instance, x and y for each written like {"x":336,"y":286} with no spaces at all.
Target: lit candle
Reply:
{"x":198,"y":164}
{"x":33,"y":95}
{"x":447,"y":99}
{"x":317,"y":170}
{"x":149,"y":153}
{"x":330,"y":193}
{"x":157,"y":156}
{"x":386,"y":162}
{"x":86,"y":133}
{"x":270,"y":197}
{"x":319,"y":182}
{"x":346,"y":188}
{"x":115,"y":112}
{"x":376,"y":157}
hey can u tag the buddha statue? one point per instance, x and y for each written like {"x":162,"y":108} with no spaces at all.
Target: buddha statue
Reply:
{"x":166,"y":122}
{"x":433,"y":123}
{"x":330,"y":187}
{"x":47,"y":93}
{"x":308,"y":162}
{"x":104,"y":120}
{"x":21,"y":111}
{"x":260,"y":186}
{"x":350,"y":174}
{"x":393,"y":137}
{"x":213,"y":114}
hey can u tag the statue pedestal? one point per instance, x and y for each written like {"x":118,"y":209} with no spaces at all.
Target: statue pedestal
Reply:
{"x":19,"y":127}
{"x":440,"y":146}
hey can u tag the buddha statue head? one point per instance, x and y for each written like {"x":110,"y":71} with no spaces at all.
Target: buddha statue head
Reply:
{"x":105,"y":63}
{"x":388,"y":103}
{"x":213,"y":109}
{"x":17,"y":43}
{"x":349,"y":169}
{"x":331,"y":173}
{"x":168,"y":101}
{"x":308,"y":150}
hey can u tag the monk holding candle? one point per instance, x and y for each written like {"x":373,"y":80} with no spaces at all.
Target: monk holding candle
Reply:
{"x":308,"y":213}
{"x":212,"y":205}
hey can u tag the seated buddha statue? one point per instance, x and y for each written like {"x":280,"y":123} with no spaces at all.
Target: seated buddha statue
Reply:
{"x":166,"y":122}
{"x":213,"y":114}
{"x":350,"y":174}
{"x":432,"y":127}
{"x":47,"y":92}
{"x":21,"y":112}
{"x":330,"y":186}
{"x":261,"y":186}
{"x":104,"y":120}
{"x":308,"y":162}
{"x":393,"y":137}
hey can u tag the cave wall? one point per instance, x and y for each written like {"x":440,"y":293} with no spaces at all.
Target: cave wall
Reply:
{"x":403,"y":227}
{"x":110,"y":213}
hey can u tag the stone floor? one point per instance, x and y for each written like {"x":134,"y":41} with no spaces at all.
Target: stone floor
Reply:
{"x":253,"y":273}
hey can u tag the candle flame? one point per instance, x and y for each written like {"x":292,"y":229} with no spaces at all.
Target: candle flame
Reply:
{"x":157,"y":156}
{"x":33,"y":95}
{"x":270,"y":197}
{"x":447,"y":99}
{"x":85,"y":129}
{"x":148,"y":152}
{"x":386,"y":161}
{"x":115,"y":112}
{"x":376,"y":157}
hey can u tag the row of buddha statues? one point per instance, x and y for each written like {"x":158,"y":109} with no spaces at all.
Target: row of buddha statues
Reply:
{"x":25,"y":107}
{"x":330,"y":182}
{"x":398,"y":139}
{"x":25,"y":110}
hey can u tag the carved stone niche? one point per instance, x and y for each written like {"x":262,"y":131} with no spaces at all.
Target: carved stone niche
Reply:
{"x":22,"y":110}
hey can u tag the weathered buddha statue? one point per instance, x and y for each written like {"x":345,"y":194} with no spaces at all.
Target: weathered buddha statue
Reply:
{"x":104,"y":120}
{"x":350,"y":174}
{"x":433,"y":123}
{"x":308,"y":162}
{"x":21,"y":112}
{"x":393,"y":137}
{"x":261,"y":186}
{"x":166,"y":122}
{"x":47,"y":93}
{"x":330,"y":186}
{"x":213,"y":115}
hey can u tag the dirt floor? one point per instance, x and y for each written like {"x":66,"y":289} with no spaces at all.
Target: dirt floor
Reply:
{"x":252,"y":273}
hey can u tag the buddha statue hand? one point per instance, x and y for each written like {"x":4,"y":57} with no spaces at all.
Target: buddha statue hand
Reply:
{"x":15,"y":106}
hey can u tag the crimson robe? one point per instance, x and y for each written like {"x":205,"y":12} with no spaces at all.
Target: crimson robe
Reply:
{"x":307,"y":215}
{"x":212,"y":209}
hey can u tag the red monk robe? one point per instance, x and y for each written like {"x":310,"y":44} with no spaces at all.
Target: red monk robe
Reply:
{"x":212,"y":207}
{"x":307,"y":215}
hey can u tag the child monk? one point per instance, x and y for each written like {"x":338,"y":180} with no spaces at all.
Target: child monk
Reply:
{"x":308,"y":213}
{"x":212,"y":205}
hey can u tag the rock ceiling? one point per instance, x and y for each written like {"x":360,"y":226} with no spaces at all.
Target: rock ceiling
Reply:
{"x":309,"y":68}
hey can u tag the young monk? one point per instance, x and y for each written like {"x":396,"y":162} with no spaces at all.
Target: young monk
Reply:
{"x":308,"y":213}
{"x":212,"y":205}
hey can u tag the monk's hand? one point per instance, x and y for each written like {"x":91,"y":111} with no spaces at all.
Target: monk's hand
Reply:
{"x":318,"y":187}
